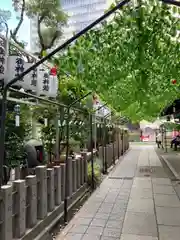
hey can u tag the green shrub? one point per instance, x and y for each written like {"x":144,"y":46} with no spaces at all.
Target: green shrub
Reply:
{"x":97,"y":174}
{"x":16,"y":136}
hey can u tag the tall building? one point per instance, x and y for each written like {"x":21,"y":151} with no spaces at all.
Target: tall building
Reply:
{"x":33,"y":36}
{"x":80,"y":12}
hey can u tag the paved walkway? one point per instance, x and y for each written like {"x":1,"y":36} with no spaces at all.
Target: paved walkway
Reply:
{"x":136,"y":201}
{"x":172,"y":159}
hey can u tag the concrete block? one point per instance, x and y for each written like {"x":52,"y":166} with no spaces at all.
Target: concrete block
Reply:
{"x":78,"y":165}
{"x":31,"y":182}
{"x":41,"y":174}
{"x":57,"y":184}
{"x":82,"y":170}
{"x":19,"y":188}
{"x":6,"y":212}
{"x":50,"y":189}
{"x":69,"y":176}
{"x":63,"y":169}
{"x":74,"y":175}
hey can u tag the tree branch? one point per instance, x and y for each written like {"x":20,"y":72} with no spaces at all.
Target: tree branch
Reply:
{"x":56,"y":34}
{"x":14,"y":38}
{"x":39,"y":31}
{"x":15,"y":31}
{"x":41,"y":41}
{"x":20,"y":44}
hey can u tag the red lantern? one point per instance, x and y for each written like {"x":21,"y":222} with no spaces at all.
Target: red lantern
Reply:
{"x":53,"y":71}
{"x":173,"y":81}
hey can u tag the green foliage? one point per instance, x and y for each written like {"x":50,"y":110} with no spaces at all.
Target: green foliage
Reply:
{"x":74,"y":145}
{"x":130,"y":60}
{"x":49,"y":10}
{"x":15,"y":153}
{"x":172,"y":126}
{"x":15,"y":136}
{"x":69,"y":91}
{"x":50,"y":21}
{"x":48,"y":135}
{"x":97,"y":174}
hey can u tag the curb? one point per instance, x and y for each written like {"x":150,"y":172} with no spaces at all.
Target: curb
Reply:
{"x":118,"y":162}
{"x":46,"y":233}
{"x":171,"y":168}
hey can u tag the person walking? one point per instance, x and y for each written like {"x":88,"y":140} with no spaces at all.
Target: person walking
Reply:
{"x":158,"y":139}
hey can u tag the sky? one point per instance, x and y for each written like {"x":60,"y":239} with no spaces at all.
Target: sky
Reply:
{"x":24,"y":32}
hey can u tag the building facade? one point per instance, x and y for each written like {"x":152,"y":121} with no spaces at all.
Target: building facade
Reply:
{"x":80,"y":14}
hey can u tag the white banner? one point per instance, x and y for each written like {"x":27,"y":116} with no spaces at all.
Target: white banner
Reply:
{"x":39,"y":81}
{"x":102,"y":111}
{"x":43,"y":81}
{"x":31,"y":79}
{"x":15,"y":66}
{"x":53,"y":86}
{"x":3,"y":58}
{"x":106,"y":112}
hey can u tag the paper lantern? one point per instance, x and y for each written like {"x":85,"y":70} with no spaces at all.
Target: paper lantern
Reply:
{"x":173,"y":81}
{"x":53,"y":71}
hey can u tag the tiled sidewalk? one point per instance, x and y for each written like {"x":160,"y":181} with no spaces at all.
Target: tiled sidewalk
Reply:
{"x":172,"y":159}
{"x":133,"y":203}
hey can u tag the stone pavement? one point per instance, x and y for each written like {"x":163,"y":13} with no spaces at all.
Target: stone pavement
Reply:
{"x":172,"y":159}
{"x":136,"y":201}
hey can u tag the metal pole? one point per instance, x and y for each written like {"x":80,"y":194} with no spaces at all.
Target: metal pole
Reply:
{"x":67,"y":116}
{"x":114,"y":160}
{"x":42,"y":60}
{"x":64,"y":45}
{"x":3,"y":117}
{"x":43,"y":99}
{"x":101,"y":107}
{"x":162,"y":145}
{"x":122,"y":139}
{"x":117,"y":131}
{"x":66,"y":167}
{"x":68,"y":42}
{"x":165,"y":139}
{"x":105,"y":152}
{"x":118,"y":142}
{"x":171,"y":2}
{"x":92,"y":154}
{"x":104,"y":144}
{"x":95,"y":132}
{"x":96,"y":110}
{"x":95,"y":126}
{"x":57,"y":150}
{"x":79,"y":99}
